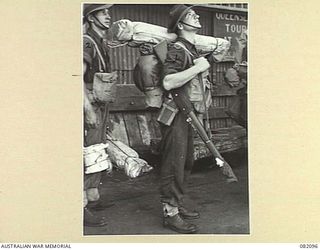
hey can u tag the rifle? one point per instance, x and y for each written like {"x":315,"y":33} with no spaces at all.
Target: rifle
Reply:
{"x":185,"y":106}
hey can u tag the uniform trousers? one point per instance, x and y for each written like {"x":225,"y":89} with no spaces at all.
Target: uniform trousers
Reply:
{"x":177,"y":160}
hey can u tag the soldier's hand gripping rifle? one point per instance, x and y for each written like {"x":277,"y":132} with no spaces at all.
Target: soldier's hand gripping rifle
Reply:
{"x":185,"y":106}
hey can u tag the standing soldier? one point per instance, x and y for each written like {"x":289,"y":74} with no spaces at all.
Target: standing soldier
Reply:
{"x":181,"y":66}
{"x":95,"y":59}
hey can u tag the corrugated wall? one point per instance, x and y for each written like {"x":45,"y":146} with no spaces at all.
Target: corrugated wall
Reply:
{"x":124,"y":59}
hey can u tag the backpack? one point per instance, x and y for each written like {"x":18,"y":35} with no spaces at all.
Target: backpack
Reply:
{"x":147,"y":76}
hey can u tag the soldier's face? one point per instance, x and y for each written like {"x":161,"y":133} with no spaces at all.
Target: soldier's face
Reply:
{"x":103,"y":17}
{"x":192,"y":19}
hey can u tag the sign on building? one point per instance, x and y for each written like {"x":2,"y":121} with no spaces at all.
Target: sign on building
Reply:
{"x":229,"y":26}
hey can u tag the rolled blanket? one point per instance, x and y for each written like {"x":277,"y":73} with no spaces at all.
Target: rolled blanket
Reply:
{"x":208,"y":44}
{"x":125,"y":158}
{"x":146,"y":32}
{"x":96,"y":159}
{"x":140,"y":32}
{"x":137,"y":33}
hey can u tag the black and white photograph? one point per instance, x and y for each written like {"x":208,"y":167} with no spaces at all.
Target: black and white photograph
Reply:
{"x":141,"y":122}
{"x":165,"y":131}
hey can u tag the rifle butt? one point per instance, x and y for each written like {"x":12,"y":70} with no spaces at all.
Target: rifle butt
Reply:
{"x":226,"y":168}
{"x":227,"y":171}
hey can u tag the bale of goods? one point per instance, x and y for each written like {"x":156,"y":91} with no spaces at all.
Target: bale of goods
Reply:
{"x":95,"y":159}
{"x":127,"y":159}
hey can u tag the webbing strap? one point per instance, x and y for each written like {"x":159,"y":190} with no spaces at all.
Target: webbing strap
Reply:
{"x":99,"y":53}
{"x":184,"y":47}
{"x":190,"y":55}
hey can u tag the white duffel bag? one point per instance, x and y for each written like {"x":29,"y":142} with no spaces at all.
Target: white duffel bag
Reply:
{"x":96,"y":159}
{"x":137,"y":33}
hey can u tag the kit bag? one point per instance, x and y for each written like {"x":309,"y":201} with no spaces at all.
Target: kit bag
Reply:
{"x":147,"y":76}
{"x":147,"y":71}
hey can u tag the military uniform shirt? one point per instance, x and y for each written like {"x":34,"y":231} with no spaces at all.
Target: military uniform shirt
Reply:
{"x":91,"y":57}
{"x":177,"y":57}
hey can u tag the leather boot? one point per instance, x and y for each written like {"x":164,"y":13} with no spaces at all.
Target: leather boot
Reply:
{"x":91,"y":220}
{"x":177,"y":224}
{"x":186,"y":214}
{"x":98,"y":205}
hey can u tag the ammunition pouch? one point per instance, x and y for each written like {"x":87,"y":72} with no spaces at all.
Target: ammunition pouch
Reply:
{"x":104,"y":87}
{"x":168,"y":112}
